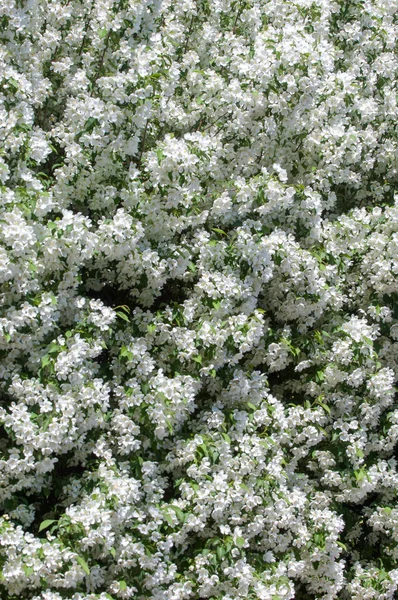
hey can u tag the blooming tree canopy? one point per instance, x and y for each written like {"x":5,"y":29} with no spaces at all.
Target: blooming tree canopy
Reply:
{"x":199,"y":299}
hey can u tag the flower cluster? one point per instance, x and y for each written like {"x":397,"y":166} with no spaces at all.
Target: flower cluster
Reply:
{"x":198,"y":299}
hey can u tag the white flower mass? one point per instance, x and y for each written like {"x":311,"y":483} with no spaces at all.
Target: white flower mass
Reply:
{"x":198,"y":299}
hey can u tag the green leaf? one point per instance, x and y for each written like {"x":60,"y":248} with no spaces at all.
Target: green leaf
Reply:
{"x":240,"y":541}
{"x":324,"y":406}
{"x":90,"y":124}
{"x":122,"y":585}
{"x":45,"y":360}
{"x":168,"y":519}
{"x":220,"y":231}
{"x":83,"y":564}
{"x":160,"y":154}
{"x":112,"y":551}
{"x":102,"y":33}
{"x":124,"y":307}
{"x":13,"y":83}
{"x":359,"y":475}
{"x":126,"y":353}
{"x":54,"y":348}
{"x":123,"y":316}
{"x":179,"y":513}
{"x":46,"y":523}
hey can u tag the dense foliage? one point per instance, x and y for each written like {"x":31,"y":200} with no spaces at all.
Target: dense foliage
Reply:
{"x":199,"y":299}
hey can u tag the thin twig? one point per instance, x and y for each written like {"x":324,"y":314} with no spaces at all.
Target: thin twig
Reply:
{"x":142,"y":144}
{"x":237,"y":17}
{"x":188,"y":35}
{"x":103,"y":54}
{"x":86,"y":22}
{"x":214,"y":122}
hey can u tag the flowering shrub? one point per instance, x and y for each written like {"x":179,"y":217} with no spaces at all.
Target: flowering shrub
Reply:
{"x":199,"y":299}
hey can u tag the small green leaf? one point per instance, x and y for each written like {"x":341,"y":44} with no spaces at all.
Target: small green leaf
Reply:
{"x":90,"y":124}
{"x":45,"y":360}
{"x":102,"y":33}
{"x":124,"y":307}
{"x":168,"y":519}
{"x":46,"y":523}
{"x":324,"y":406}
{"x":83,"y":564}
{"x":160,"y":154}
{"x":126,"y":353}
{"x":220,"y":231}
{"x":359,"y":475}
{"x":179,"y":513}
{"x":122,"y":585}
{"x":123,"y":316}
{"x":240,"y":541}
{"x":13,"y":83}
{"x":112,"y":551}
{"x":54,"y":348}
